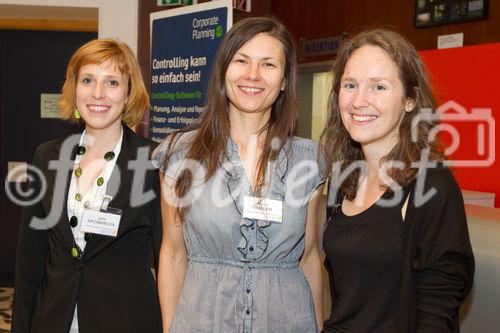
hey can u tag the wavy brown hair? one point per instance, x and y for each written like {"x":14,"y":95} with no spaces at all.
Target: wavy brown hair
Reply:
{"x":208,"y":144}
{"x":341,"y":151}
{"x":98,"y":51}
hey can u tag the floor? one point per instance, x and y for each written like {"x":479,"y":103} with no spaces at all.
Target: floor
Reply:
{"x":6,"y":295}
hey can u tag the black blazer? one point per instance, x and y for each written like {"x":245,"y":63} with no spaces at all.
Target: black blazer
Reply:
{"x":112,"y":283}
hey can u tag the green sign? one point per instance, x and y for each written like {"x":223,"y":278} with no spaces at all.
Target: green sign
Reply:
{"x":176,"y":2}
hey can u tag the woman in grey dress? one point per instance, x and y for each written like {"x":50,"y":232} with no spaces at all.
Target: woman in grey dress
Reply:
{"x":240,"y":197}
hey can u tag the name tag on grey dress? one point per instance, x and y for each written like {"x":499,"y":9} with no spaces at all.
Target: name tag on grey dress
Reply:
{"x":263,"y":209}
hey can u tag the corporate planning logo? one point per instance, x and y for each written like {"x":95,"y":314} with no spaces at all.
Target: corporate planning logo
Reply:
{"x":207,"y":28}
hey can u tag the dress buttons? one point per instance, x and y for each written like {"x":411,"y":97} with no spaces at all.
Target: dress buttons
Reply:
{"x":252,"y":226}
{"x":248,"y":290}
{"x":247,"y":311}
{"x":250,"y":248}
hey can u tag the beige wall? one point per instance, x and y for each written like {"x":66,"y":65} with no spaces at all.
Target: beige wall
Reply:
{"x":117,"y":18}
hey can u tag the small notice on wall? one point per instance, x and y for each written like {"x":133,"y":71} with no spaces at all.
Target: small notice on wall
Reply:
{"x":453,"y":40}
{"x":244,"y":5}
{"x":17,"y":172}
{"x":49,"y":105}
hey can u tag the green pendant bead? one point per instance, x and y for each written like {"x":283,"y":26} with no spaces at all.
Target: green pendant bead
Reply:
{"x":100,"y":181}
{"x":78,"y":197}
{"x":87,"y":237}
{"x":109,"y":156}
{"x":80,"y":150}
{"x":78,"y":172}
{"x":76,"y":252}
{"x":73,"y":221}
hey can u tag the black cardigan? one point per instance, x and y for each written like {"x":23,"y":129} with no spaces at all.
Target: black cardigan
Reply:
{"x":112,"y":283}
{"x":438,"y":266}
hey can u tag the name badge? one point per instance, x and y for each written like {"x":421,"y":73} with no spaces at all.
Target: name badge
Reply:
{"x":263,"y":209}
{"x":101,"y":222}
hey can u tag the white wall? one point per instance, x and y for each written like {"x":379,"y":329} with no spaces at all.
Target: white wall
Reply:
{"x":117,"y":18}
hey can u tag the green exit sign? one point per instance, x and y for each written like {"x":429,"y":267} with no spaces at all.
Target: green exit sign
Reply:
{"x":176,"y":2}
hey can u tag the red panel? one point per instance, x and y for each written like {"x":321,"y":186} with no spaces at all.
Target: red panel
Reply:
{"x":470,"y":77}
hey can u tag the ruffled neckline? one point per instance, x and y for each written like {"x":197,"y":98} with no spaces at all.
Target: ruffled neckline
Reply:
{"x":239,"y":186}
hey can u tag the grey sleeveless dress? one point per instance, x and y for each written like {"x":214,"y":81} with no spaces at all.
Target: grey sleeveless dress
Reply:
{"x":243,"y":275}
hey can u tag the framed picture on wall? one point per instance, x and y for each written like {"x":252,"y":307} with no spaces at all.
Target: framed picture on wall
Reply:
{"x":435,"y":12}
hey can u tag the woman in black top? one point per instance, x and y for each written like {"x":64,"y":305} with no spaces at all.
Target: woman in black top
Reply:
{"x":397,"y":247}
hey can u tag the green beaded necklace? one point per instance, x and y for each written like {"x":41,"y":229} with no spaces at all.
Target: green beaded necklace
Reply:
{"x":76,"y":251}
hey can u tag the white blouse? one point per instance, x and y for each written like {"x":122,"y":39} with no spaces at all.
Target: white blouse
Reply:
{"x":90,"y":200}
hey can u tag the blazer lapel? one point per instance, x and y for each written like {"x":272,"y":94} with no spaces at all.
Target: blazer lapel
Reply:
{"x":62,"y":229}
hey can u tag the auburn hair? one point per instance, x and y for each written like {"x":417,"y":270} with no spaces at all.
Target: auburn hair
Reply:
{"x":99,"y":51}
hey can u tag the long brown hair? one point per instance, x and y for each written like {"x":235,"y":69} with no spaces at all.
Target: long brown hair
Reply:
{"x":98,"y":51}
{"x":335,"y":140}
{"x":208,"y":144}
